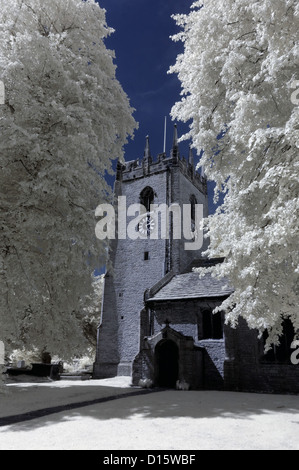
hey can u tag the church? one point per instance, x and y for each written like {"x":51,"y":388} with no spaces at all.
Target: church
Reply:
{"x":157,"y":319}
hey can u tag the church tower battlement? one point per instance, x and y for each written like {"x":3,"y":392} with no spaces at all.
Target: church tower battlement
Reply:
{"x":146,"y":166}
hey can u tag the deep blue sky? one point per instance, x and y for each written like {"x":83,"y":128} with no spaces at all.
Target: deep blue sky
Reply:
{"x":144,"y":52}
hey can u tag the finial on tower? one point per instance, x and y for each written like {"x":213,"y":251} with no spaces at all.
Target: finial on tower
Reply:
{"x":191,"y":157}
{"x":147,"y":151}
{"x":175,"y":137}
{"x":175,"y":146}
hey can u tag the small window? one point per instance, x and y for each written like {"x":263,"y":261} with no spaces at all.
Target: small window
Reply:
{"x":146,"y":256}
{"x":212,"y":327}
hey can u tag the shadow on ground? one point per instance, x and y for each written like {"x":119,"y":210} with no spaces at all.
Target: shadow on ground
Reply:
{"x":171,"y":404}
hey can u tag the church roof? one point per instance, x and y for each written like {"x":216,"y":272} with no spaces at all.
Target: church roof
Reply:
{"x":191,"y":286}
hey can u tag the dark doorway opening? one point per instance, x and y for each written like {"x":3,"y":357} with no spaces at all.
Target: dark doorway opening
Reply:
{"x":167,"y":360}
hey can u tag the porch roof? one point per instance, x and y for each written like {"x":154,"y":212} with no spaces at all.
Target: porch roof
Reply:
{"x":191,"y":286}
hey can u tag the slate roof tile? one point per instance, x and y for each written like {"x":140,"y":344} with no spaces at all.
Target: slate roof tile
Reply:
{"x":191,"y":286}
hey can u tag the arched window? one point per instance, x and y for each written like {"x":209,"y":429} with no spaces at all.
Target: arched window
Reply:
{"x":147,"y":197}
{"x":193,"y":202}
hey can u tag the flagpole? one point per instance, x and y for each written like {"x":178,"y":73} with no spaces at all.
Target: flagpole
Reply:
{"x":164,"y":147}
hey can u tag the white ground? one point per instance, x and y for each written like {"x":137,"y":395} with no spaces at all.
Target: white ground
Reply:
{"x":167,"y":420}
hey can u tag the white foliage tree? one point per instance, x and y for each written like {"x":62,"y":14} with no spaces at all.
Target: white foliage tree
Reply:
{"x":238,"y":72}
{"x":64,"y":120}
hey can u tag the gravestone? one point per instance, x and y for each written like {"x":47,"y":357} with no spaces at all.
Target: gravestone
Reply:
{"x":21,"y":364}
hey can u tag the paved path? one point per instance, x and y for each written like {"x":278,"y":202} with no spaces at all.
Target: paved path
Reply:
{"x":141,"y":420}
{"x":19,"y":418}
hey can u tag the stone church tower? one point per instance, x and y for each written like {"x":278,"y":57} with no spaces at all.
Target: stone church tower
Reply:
{"x":137,"y":265}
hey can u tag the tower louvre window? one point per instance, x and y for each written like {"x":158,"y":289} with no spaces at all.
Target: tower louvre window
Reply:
{"x":193,"y":202}
{"x":147,"y":198}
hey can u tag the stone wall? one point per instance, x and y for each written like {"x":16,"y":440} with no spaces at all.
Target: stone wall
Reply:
{"x":246,"y":369}
{"x":213,"y":369}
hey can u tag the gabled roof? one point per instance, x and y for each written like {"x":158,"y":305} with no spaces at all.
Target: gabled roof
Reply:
{"x":190,"y":286}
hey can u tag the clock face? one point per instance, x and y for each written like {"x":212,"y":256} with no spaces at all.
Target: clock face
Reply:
{"x":146,"y":225}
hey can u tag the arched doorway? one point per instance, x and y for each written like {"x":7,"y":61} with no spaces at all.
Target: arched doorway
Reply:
{"x":167,"y":363}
